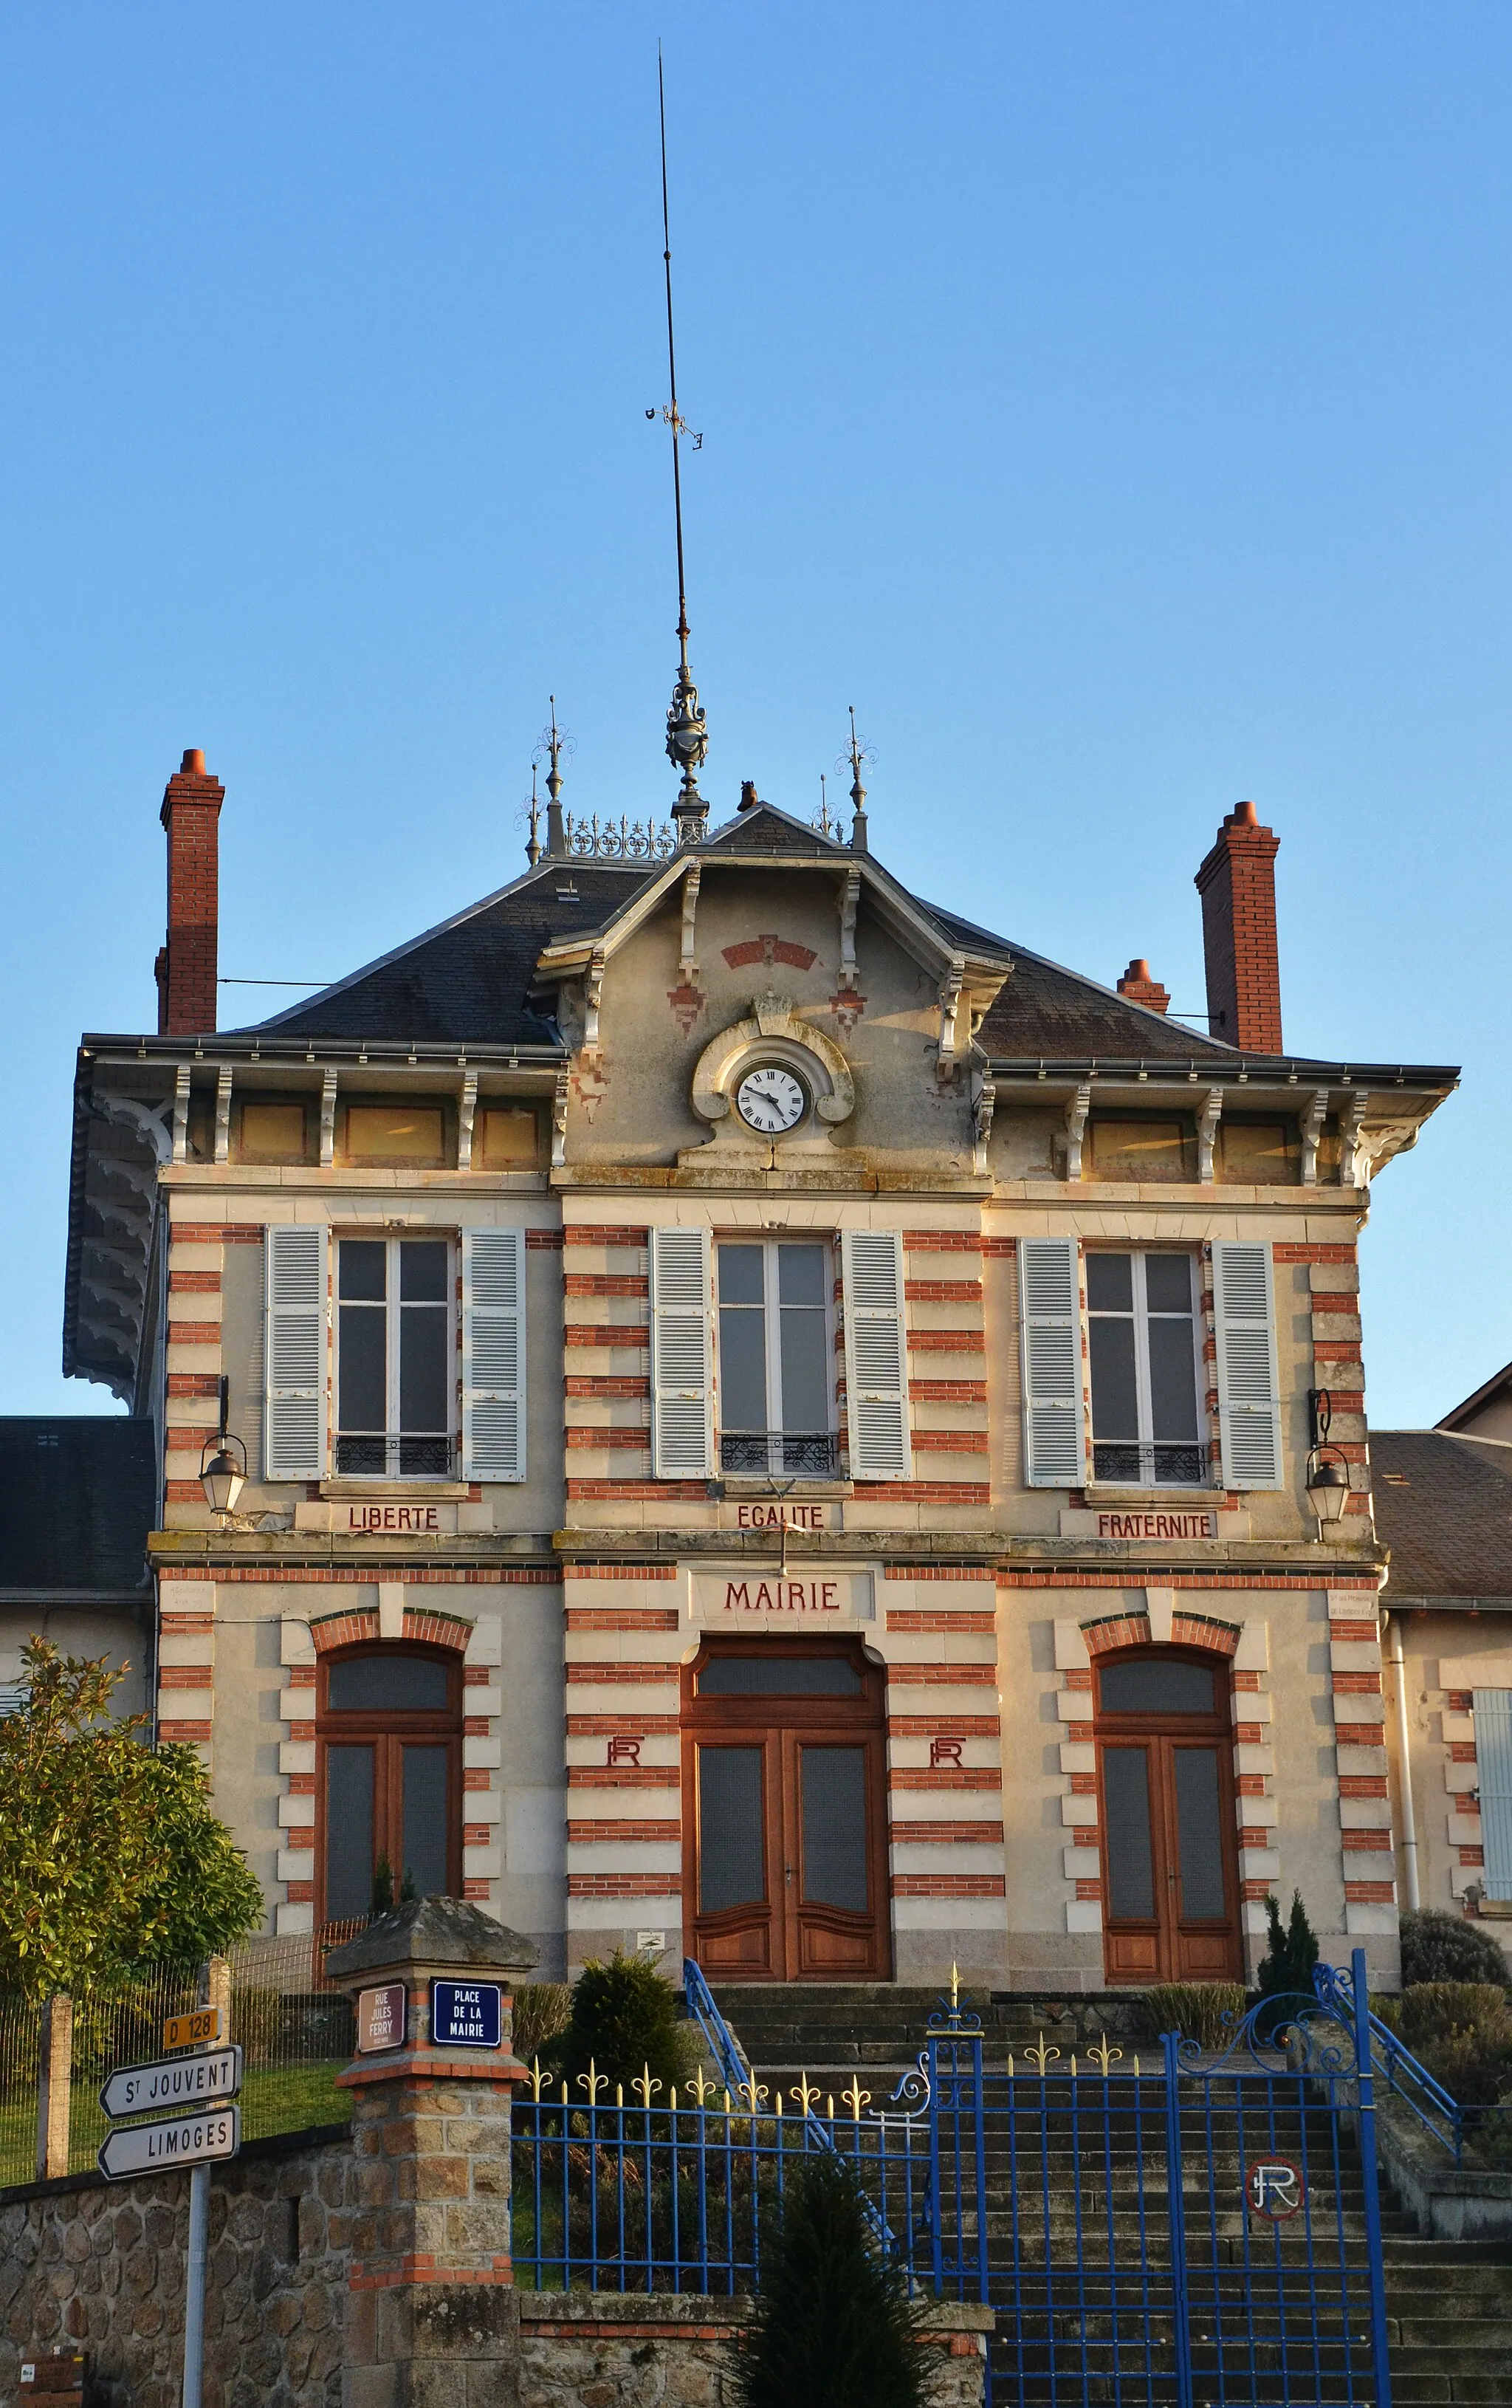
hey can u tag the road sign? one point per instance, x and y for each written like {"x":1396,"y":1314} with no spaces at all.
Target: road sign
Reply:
{"x":466,"y":2014}
{"x":1274,"y":2187}
{"x":192,"y":2031}
{"x":380,"y":2018}
{"x":172,"y":2082}
{"x":185,"y":2140}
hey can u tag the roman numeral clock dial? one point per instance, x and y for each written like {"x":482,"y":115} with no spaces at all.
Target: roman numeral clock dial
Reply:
{"x":770,"y":1102}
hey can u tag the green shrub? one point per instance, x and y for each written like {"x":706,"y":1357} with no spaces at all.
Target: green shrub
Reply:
{"x":1430,"y":2011}
{"x":1438,"y":1947}
{"x":541,"y":2013}
{"x":832,"y":2326}
{"x":1196,"y":2010}
{"x":1460,"y":2032}
{"x":623,"y":2022}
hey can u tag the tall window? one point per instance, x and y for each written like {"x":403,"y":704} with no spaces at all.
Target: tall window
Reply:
{"x":396,"y":1367}
{"x":389,"y":1777}
{"x":1142,"y":1309}
{"x":776,"y":1357}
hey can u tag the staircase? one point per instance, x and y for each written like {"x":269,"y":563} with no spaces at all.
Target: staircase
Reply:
{"x":1075,"y":2246}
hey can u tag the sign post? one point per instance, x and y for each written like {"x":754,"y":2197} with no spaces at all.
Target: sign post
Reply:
{"x":207,"y":2078}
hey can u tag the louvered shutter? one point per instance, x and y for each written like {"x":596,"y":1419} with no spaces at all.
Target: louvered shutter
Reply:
{"x":293,"y":1352}
{"x":1050,"y":1313}
{"x":877,"y":1355}
{"x":1493,"y":1765}
{"x":493,"y":1355}
{"x":682,"y":1357}
{"x":1248,"y":1390}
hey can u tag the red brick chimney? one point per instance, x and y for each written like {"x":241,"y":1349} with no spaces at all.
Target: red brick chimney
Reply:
{"x":185,"y":969}
{"x":1237,"y":884}
{"x":1137,"y":984}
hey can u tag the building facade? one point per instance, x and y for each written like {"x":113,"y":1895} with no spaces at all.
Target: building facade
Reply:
{"x":777,"y":1422}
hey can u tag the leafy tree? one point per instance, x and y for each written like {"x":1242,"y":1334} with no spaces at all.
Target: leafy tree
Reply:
{"x":624,"y":2017}
{"x":833,"y":2326}
{"x":112,"y":1858}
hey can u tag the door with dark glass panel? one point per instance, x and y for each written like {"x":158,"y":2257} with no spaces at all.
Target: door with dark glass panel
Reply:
{"x":387,"y":1779}
{"x":1169,"y":1845}
{"x":784,"y":1829}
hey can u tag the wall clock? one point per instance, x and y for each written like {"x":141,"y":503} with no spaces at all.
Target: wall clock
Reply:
{"x":771,"y":1101}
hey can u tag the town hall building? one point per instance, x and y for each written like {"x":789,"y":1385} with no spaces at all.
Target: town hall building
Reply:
{"x":778,"y":1425}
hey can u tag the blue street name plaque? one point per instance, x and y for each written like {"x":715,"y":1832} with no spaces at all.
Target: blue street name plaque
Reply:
{"x":466,"y":2014}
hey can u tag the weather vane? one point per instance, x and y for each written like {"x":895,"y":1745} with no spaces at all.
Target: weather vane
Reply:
{"x":858,"y":755}
{"x":687,"y":729}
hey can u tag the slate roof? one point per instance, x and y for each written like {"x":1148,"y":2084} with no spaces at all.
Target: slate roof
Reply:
{"x":78,"y":1497}
{"x":1493,"y":1391}
{"x":1444,"y":1507}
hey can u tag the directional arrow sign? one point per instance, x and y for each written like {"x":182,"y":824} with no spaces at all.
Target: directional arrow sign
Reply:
{"x":172,"y":2082}
{"x":186,"y":2140}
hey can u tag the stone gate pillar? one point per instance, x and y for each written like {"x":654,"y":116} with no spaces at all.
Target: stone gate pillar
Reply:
{"x":431,"y":2316}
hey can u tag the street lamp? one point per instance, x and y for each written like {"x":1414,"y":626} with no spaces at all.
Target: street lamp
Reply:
{"x":1328,"y":1473}
{"x":222,"y":1474}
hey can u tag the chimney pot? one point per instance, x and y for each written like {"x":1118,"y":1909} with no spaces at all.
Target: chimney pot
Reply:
{"x":1140,"y":987}
{"x":186,"y":967}
{"x":748,"y":797}
{"x":1237,"y":884}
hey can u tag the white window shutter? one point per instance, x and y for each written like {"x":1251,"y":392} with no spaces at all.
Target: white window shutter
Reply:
{"x":493,"y":1355}
{"x":682,"y":1356}
{"x":877,"y":1355}
{"x":1249,"y":1388}
{"x":294,"y":1353}
{"x":1050,"y":1313}
{"x":1493,"y":1767}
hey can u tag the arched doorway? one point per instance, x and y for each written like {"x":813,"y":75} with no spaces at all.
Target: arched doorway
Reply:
{"x":388,"y":1774}
{"x":785,"y":1814}
{"x":1165,"y":1807}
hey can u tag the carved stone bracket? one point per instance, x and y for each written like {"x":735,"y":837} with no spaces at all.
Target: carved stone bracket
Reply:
{"x":1076,"y":1128}
{"x":953,"y":1015}
{"x":466,"y":1115}
{"x":983,"y":1102}
{"x":222,"y":1113}
{"x":593,"y":999}
{"x":559,"y":1117}
{"x":850,"y":897}
{"x":328,"y":1118}
{"x":1312,"y":1129}
{"x":1207,"y":1120}
{"x":1354,"y":1157}
{"x":180,"y":1113}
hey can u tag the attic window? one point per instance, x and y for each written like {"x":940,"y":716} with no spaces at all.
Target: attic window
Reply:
{"x":1396,"y":1479}
{"x":396,"y":1133}
{"x":508,"y":1137}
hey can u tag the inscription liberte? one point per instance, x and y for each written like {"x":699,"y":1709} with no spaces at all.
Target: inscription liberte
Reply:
{"x":392,"y":1517}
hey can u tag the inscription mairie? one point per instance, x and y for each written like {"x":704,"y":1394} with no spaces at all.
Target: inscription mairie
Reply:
{"x":744,"y":1596}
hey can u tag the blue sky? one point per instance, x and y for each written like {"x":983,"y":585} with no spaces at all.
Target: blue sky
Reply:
{"x":1110,"y":402}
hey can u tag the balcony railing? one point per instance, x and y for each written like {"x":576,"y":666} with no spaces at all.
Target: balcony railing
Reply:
{"x":1161,"y":1464}
{"x":394,"y":1454}
{"x":780,"y":1455}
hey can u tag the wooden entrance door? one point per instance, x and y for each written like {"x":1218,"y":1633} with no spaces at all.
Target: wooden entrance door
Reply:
{"x":785,"y":1858}
{"x":1165,"y":1787}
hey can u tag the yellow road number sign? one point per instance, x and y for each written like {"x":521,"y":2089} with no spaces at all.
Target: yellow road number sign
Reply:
{"x":190,"y":2031}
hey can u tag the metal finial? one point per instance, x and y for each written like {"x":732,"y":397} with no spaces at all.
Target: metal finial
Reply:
{"x":955,"y":1989}
{"x":555,"y":741}
{"x":687,"y":729}
{"x":859,"y":753}
{"x":532,"y":849}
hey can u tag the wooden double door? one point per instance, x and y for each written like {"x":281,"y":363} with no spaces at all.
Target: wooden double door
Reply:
{"x":1166,"y":1808}
{"x":785,"y":1855}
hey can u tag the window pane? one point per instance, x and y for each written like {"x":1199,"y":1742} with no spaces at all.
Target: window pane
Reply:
{"x":424,"y":1384}
{"x":363,"y":1386}
{"x":732,"y":1846}
{"x":1152,"y":1687}
{"x":742,"y":1367}
{"x":806,"y":1370}
{"x":740,"y":1275}
{"x":1110,"y":1282}
{"x":1115,"y":1396}
{"x":387,"y":1682}
{"x":800,"y":1274}
{"x":349,"y":1832}
{"x":1199,"y":1834}
{"x":780,"y":1676}
{"x":424,"y":1823}
{"x":1131,"y":1871}
{"x":833,"y":1784}
{"x":1168,"y":1283}
{"x":423,"y":1270}
{"x":362,"y":1268}
{"x":1173,"y":1380}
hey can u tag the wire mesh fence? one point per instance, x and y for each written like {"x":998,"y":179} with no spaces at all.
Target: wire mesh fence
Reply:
{"x":21,"y":2042}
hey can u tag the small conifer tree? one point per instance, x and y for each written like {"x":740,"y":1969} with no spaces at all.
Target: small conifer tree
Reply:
{"x":623,"y":2021}
{"x":1286,"y":1968}
{"x":833,"y":2325}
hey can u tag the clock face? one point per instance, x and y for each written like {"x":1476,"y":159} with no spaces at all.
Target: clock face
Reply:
{"x":770,"y":1102}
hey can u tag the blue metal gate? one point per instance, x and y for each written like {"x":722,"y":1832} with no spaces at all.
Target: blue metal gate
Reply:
{"x":1202,"y":2228}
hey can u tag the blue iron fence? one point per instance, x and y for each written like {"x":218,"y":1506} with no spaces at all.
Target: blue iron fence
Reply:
{"x":1203,"y":2227}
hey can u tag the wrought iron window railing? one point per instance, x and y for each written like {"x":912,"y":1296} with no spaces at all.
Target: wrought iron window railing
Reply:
{"x":1160,"y":1463}
{"x":804,"y":1454}
{"x":393,"y":1455}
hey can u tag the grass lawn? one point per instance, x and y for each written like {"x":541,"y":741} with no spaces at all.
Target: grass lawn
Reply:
{"x":274,"y":2098}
